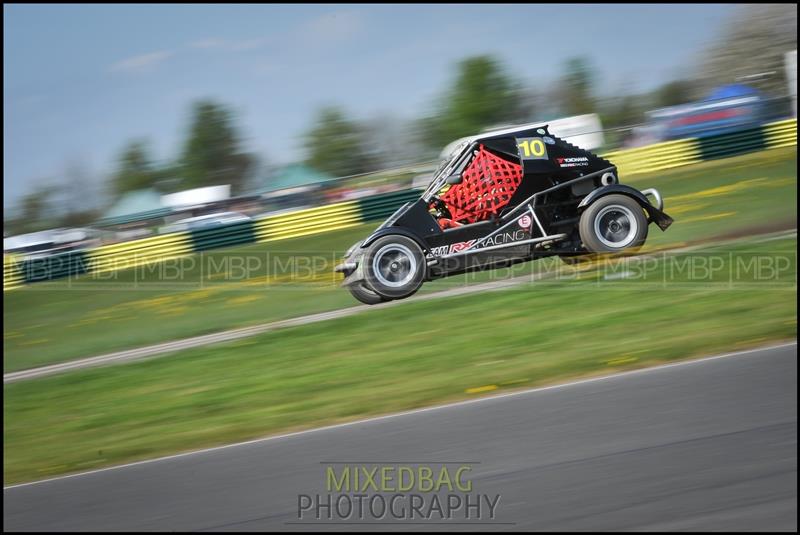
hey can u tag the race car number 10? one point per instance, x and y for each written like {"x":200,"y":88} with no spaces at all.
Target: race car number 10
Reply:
{"x":532,"y":148}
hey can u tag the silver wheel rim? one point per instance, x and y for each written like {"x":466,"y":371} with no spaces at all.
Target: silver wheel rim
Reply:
{"x":616,"y":226}
{"x":394,"y":265}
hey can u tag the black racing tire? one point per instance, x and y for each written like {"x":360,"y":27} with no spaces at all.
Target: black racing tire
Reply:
{"x":394,"y":267}
{"x":360,"y":291}
{"x":613,"y":224}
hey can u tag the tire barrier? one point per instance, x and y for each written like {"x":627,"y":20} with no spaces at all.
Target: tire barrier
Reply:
{"x":681,"y":152}
{"x":13,"y":276}
{"x":108,"y":258}
{"x":54,"y":266}
{"x":732,"y":144}
{"x":307,"y":222}
{"x":383,"y":205}
{"x":656,"y":157}
{"x":223,"y":236}
{"x":18,"y":270}
{"x":781,"y":133}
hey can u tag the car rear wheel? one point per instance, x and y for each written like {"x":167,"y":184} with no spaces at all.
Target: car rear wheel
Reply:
{"x":394,"y":267}
{"x":613,"y":224}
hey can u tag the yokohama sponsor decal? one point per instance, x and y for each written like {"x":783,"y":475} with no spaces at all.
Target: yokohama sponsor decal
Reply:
{"x":573,"y":162}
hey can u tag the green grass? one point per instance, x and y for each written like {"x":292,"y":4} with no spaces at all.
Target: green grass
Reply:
{"x":62,"y":320}
{"x":402,"y":357}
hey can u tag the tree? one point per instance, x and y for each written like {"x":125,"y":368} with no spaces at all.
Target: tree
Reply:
{"x":576,"y":95}
{"x":135,"y":169}
{"x":35,"y":211}
{"x":79,"y":218}
{"x":481,"y":96}
{"x":533,"y":104}
{"x":389,"y":142}
{"x":753,"y":42}
{"x":336,"y":145}
{"x":674,"y":93}
{"x":80,"y":191}
{"x":212,"y":153}
{"x":624,"y":111}
{"x":77,"y":198}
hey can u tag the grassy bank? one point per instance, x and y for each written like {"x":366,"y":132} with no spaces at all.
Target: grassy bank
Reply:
{"x":596,"y":321}
{"x":62,"y":320}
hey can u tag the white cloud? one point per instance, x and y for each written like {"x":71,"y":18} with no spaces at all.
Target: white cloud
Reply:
{"x":333,"y":27}
{"x":142,"y":62}
{"x":250,"y":44}
{"x":230,"y":46}
{"x":208,"y":43}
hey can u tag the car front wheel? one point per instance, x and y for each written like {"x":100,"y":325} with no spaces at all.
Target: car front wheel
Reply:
{"x":613,"y":224}
{"x":360,"y":291}
{"x":394,"y":267}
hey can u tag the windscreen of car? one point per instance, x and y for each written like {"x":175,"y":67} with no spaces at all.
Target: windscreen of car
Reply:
{"x":460,"y":158}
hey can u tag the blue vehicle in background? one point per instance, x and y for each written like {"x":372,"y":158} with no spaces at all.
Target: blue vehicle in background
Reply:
{"x":727,"y":109}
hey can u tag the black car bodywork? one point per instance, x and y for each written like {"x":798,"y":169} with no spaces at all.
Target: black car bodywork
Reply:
{"x":552,"y":185}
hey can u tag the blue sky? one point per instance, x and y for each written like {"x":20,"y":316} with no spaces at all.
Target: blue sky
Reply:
{"x":80,"y":81}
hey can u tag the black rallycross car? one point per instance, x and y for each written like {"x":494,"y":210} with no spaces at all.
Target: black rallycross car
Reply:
{"x":500,"y":198}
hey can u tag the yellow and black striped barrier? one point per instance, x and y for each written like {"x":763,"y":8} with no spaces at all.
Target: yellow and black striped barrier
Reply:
{"x":781,"y":133}
{"x":13,"y":276}
{"x":655,"y":157}
{"x":681,"y":152}
{"x":307,"y":222}
{"x":108,"y":258}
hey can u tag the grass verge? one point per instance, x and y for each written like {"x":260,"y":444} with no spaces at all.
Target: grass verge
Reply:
{"x":601,"y":320}
{"x":58,"y":321}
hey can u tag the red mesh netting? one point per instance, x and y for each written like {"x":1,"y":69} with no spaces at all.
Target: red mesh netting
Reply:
{"x":487,"y":186}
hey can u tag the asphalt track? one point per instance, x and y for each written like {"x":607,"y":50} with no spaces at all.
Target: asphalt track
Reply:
{"x":166,"y":348}
{"x":709,"y":444}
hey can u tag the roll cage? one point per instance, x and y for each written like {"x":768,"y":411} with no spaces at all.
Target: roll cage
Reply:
{"x":530,"y":205}
{"x":455,"y":166}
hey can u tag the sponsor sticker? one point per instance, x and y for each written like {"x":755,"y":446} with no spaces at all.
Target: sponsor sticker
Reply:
{"x":506,"y":237}
{"x":460,"y":246}
{"x":532,"y":148}
{"x":439,"y":251}
{"x":524,"y":221}
{"x":497,"y":239}
{"x":579,"y":161}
